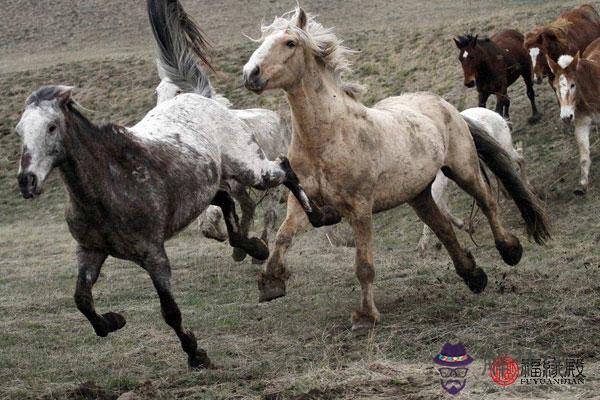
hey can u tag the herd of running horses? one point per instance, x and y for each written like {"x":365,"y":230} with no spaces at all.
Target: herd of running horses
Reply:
{"x":132,"y":188}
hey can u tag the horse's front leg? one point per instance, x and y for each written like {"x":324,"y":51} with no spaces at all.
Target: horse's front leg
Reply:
{"x":483,"y":99}
{"x":89,"y":264}
{"x":582,"y":136}
{"x":362,"y":227}
{"x":272,"y":281}
{"x":157,"y":265}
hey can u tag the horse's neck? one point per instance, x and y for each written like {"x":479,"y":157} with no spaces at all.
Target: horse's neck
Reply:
{"x":316,"y":102}
{"x":83,"y":171}
{"x":588,"y":88}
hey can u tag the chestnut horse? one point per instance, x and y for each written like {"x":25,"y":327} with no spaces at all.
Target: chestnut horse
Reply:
{"x":577,"y":87}
{"x":493,"y":65}
{"x":571,"y":32}
{"x":364,"y":160}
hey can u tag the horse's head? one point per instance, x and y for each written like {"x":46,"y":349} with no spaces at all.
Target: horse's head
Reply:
{"x":166,"y":90}
{"x":470,"y":57}
{"x":279,"y":62}
{"x":41,"y":130}
{"x":565,"y":84}
{"x":534,"y":45}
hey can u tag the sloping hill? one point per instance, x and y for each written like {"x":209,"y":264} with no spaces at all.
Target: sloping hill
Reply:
{"x":300,"y":346}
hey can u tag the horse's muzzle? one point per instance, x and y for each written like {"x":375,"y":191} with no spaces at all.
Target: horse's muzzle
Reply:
{"x":28,"y":185}
{"x":568,"y":119}
{"x":253,"y":80}
{"x":470,"y":84}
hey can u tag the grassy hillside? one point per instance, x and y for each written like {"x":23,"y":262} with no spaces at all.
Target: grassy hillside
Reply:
{"x":300,"y":346}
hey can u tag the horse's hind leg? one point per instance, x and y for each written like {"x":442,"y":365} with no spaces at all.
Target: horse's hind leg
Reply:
{"x":440,"y":224}
{"x":472,"y":182}
{"x":253,"y":246}
{"x":158,"y":267}
{"x":90,"y":263}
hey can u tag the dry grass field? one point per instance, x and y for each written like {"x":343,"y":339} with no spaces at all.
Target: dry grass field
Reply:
{"x":298,"y":347}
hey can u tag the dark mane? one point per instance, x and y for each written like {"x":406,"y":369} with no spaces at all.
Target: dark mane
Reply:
{"x":466,"y":39}
{"x":45,"y":93}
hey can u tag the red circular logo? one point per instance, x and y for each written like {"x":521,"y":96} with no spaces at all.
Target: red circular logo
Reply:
{"x":504,"y":371}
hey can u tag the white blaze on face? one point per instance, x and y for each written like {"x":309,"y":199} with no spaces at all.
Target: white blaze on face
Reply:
{"x":42,"y":146}
{"x":565,"y":93}
{"x":534,"y":52}
{"x":465,"y":55}
{"x":261,"y":53}
{"x":564,"y":61}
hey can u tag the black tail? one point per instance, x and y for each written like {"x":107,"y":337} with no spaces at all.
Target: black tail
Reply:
{"x":181,"y":46}
{"x":499,"y":162}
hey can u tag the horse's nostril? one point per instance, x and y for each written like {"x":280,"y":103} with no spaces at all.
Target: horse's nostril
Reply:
{"x":255,"y":72}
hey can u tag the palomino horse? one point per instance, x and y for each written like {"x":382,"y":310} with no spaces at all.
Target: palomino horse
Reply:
{"x":365,"y":160}
{"x":571,"y":32}
{"x":497,"y":128}
{"x":131,"y":189}
{"x":577,"y":87}
{"x":493,"y":65}
{"x":180,"y":47}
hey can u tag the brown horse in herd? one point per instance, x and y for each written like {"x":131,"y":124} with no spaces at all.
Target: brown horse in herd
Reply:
{"x":493,"y":65}
{"x":571,"y":32}
{"x":577,"y":87}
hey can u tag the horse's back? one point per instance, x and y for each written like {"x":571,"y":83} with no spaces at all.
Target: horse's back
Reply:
{"x":270,"y":131}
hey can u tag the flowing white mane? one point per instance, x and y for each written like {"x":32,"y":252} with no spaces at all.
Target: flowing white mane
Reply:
{"x":323,"y":42}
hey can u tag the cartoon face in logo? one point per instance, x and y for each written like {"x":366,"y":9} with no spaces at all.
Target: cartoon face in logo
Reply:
{"x":453,"y":361}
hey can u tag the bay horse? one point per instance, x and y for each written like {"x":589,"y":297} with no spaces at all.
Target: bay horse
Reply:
{"x":365,"y":160}
{"x":577,"y":87}
{"x":493,"y":65}
{"x":181,"y":48}
{"x":131,"y":189}
{"x":571,"y":32}
{"x":496,"y":127}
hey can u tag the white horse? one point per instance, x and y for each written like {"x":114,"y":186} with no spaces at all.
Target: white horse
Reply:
{"x":498,"y":128}
{"x":178,"y":68}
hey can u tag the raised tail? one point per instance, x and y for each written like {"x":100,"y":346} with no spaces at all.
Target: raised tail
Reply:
{"x":181,"y":47}
{"x":499,"y":162}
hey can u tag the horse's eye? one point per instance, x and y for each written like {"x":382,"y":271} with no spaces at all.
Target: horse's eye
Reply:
{"x":291,"y":44}
{"x":52,"y":128}
{"x":178,"y":93}
{"x":572,"y":86}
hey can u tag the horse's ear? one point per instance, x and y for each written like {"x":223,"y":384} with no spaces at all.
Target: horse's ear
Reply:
{"x":456,"y":42}
{"x":474,"y":41}
{"x":301,"y":18}
{"x":554,"y":67}
{"x":575,"y":62}
{"x":65,"y":94}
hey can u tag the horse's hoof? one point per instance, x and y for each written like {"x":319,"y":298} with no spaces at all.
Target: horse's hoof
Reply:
{"x":238,"y":255}
{"x":511,"y":254}
{"x":477,"y":280}
{"x":270,"y":288}
{"x":199,"y":360}
{"x":534,"y":119}
{"x":580,"y":190}
{"x":257,"y":248}
{"x":112,"y":322}
{"x":363,"y":323}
